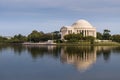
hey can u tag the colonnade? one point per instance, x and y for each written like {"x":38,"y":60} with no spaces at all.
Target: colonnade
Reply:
{"x":87,"y":32}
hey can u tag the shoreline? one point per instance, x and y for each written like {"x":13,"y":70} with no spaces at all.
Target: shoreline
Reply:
{"x":68,"y":44}
{"x":44,"y":43}
{"x":76,"y":44}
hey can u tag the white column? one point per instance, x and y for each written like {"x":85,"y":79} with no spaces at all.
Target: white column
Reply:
{"x":95,"y":33}
{"x":87,"y":32}
{"x":84,"y":33}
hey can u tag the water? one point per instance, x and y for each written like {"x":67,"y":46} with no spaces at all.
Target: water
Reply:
{"x":59,"y":63}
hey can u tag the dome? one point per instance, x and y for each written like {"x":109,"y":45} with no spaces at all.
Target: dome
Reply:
{"x":82,"y":24}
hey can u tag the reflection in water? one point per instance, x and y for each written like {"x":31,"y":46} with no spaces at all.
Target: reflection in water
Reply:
{"x":84,"y":57}
{"x":18,"y":49}
{"x":105,"y":51}
{"x":40,"y":51}
{"x":81,"y":57}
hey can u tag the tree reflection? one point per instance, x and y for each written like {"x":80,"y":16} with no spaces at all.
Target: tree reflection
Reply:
{"x":2,"y":47}
{"x":104,"y":51}
{"x":81,"y":57}
{"x":106,"y":54}
{"x":40,"y":51}
{"x":116,"y":50}
{"x":16,"y":48}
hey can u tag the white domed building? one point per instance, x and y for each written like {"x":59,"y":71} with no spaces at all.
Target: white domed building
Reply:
{"x":81,"y":26}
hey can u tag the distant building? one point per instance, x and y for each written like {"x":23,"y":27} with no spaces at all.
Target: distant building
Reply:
{"x":81,"y":26}
{"x":8,"y":37}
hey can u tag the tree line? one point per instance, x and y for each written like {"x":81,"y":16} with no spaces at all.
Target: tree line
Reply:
{"x":107,"y":36}
{"x":39,"y":36}
{"x":34,"y":36}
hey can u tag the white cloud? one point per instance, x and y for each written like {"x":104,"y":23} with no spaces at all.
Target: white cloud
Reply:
{"x":55,"y":9}
{"x":35,"y":7}
{"x":61,"y":3}
{"x":92,"y":6}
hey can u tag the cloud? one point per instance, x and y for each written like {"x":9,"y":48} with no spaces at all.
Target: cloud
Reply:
{"x":61,"y":3}
{"x":89,"y":7}
{"x":68,"y":11}
{"x":58,"y":9}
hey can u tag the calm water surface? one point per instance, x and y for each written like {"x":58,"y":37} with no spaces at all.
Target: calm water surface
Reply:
{"x":59,"y":63}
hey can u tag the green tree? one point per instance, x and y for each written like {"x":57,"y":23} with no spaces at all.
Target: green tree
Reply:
{"x":46,"y":37}
{"x":106,"y":34}
{"x":18,"y":39}
{"x":116,"y":38}
{"x":73,"y":37}
{"x":3,"y":39}
{"x":35,"y":36}
{"x":56,"y":35}
{"x":91,"y":39}
{"x":99,"y":35}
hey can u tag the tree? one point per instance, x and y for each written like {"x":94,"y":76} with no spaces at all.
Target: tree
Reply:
{"x":106,"y":34}
{"x":73,"y":37}
{"x":99,"y":35}
{"x":3,"y":39}
{"x":56,"y":35}
{"x":35,"y":36}
{"x":90,"y":38}
{"x":18,"y":39}
{"x":46,"y":37}
{"x":116,"y":38}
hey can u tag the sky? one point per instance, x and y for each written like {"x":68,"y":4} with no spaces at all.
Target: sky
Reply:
{"x":24,"y":16}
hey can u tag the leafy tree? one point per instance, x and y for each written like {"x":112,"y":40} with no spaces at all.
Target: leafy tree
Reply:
{"x":90,"y":38}
{"x":116,"y":38}
{"x":3,"y":39}
{"x":56,"y":35}
{"x":73,"y":37}
{"x":99,"y":35}
{"x":106,"y":34}
{"x":46,"y":37}
{"x":18,"y":39}
{"x":35,"y":36}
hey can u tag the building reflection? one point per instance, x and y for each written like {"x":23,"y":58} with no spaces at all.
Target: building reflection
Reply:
{"x":83,"y":57}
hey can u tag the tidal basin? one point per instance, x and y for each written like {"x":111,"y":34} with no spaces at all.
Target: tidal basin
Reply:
{"x":47,"y":62}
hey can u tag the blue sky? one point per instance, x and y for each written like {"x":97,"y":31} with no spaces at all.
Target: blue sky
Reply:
{"x":23,"y":16}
